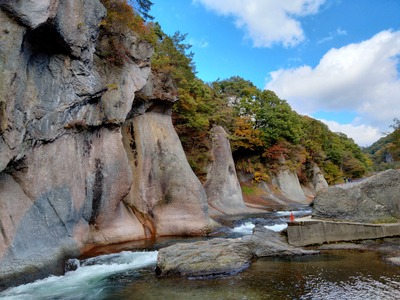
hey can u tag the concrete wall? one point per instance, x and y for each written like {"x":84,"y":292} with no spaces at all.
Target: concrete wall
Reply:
{"x":309,"y":231}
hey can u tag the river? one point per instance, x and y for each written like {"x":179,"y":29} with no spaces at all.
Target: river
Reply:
{"x":130,"y":275}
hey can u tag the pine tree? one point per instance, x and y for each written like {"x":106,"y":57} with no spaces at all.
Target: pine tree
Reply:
{"x":143,"y":7}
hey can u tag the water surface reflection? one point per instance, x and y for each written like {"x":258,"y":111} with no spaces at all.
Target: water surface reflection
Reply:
{"x":332,"y":275}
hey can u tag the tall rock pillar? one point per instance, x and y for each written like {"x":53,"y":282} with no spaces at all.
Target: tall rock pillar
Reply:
{"x":222,"y":185}
{"x":166,"y":195}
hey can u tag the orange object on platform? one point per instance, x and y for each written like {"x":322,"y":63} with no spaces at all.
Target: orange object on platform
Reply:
{"x":291,"y":217}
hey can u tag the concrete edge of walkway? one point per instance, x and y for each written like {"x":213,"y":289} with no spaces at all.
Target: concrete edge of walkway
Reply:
{"x":308,"y":231}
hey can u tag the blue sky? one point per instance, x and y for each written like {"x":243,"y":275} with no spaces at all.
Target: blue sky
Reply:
{"x":334,"y":60}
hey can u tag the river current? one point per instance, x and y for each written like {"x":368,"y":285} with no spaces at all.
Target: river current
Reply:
{"x":130,"y":274}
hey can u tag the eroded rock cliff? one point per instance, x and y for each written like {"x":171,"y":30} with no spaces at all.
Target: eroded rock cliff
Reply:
{"x":222,"y":185}
{"x":85,"y":159}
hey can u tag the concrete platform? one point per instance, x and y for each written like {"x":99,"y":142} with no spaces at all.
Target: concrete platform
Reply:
{"x":308,"y":231}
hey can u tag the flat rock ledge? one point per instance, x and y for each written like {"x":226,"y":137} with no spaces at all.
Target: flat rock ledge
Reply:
{"x":222,"y":257}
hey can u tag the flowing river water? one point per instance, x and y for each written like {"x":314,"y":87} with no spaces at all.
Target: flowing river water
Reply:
{"x":343,"y":274}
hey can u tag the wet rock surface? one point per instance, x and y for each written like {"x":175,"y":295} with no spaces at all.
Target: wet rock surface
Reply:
{"x":219,"y":257}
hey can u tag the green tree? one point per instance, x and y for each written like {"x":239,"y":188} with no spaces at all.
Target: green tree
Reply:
{"x":276,"y":119}
{"x":385,"y":153}
{"x":143,"y":7}
{"x":171,"y":56}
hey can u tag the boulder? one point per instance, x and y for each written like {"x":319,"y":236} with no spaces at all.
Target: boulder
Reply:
{"x":265,"y":242}
{"x":219,"y":257}
{"x":222,"y":186}
{"x":373,"y":200}
{"x":214,"y":257}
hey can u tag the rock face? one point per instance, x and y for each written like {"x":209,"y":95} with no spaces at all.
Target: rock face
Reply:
{"x":85,"y":159}
{"x":284,"y":188}
{"x":376,"y":199}
{"x":222,"y":185}
{"x":318,"y":180}
{"x":290,"y":187}
{"x":166,"y":195}
{"x":265,"y":242}
{"x":206,"y":258}
{"x":218,"y":257}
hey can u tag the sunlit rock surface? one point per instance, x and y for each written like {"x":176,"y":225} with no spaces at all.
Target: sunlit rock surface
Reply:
{"x":66,"y":173}
{"x":222,"y":185}
{"x":374,"y":200}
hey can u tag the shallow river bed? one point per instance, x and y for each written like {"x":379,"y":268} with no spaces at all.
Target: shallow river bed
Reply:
{"x":344,"y":274}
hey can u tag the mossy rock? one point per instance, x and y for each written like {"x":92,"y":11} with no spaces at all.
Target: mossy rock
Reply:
{"x":386,"y":220}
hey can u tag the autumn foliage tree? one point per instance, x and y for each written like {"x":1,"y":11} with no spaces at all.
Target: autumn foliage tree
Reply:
{"x":122,"y":20}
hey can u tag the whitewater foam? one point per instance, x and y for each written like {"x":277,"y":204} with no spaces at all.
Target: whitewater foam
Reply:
{"x":87,"y":282}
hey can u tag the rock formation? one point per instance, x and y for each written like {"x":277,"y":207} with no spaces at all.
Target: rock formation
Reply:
{"x":318,"y":180}
{"x":289,"y":185}
{"x":218,"y":257}
{"x":374,"y":200}
{"x":88,"y":153}
{"x":222,"y":186}
{"x":284,"y":188}
{"x":166,"y":195}
{"x":85,"y":159}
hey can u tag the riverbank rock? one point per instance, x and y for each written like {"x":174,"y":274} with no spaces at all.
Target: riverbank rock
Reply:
{"x":88,"y":153}
{"x":283,"y":190}
{"x":206,"y":258}
{"x":166,"y":195}
{"x":265,"y":242}
{"x":222,"y":186}
{"x":374,"y":200}
{"x":288,"y":183}
{"x":219,"y":257}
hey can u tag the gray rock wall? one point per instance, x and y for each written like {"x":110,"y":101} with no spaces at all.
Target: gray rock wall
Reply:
{"x":289,"y":185}
{"x":222,"y":185}
{"x":68,"y":179}
{"x":166,"y":194}
{"x":376,"y":199}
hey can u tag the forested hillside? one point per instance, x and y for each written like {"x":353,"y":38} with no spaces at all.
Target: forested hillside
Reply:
{"x":265,"y":132}
{"x":385,"y":153}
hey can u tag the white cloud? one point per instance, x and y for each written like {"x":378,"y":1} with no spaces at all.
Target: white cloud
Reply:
{"x":359,"y":77}
{"x":339,"y":32}
{"x":267,"y":22}
{"x":363,"y":135}
{"x":198,"y":43}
